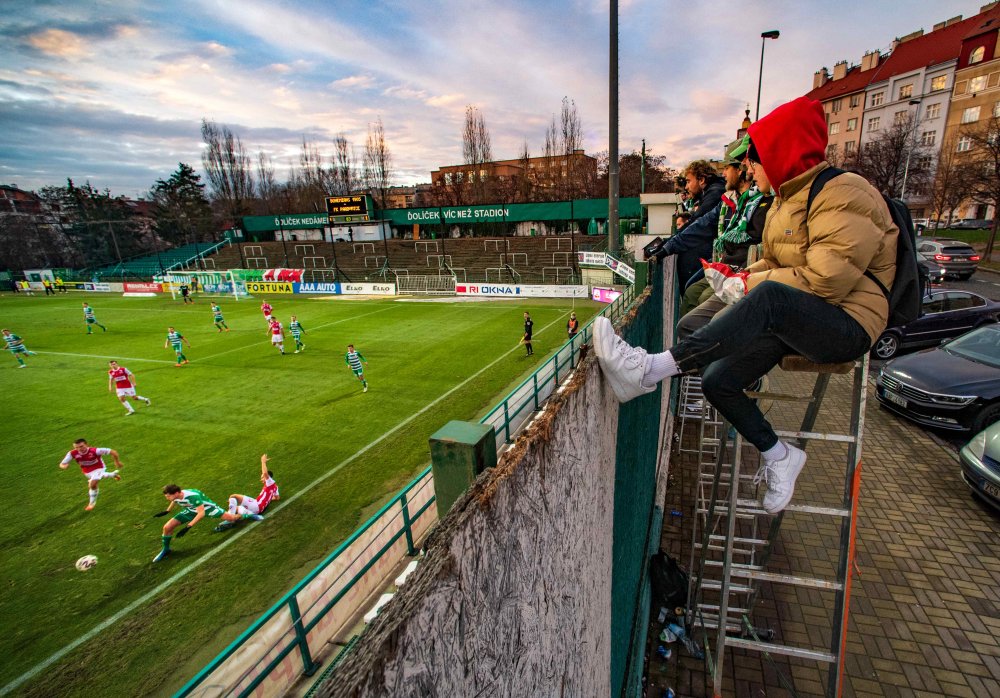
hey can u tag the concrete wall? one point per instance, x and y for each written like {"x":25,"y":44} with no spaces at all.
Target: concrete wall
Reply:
{"x":514,"y":595}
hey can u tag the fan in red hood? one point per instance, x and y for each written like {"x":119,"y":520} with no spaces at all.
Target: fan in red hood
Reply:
{"x":790,"y":140}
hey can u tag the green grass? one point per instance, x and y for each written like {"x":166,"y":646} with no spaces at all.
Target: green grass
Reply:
{"x":208,"y":425}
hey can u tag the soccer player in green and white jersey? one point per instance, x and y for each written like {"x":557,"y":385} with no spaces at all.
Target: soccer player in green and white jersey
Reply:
{"x":177,"y":341}
{"x":88,"y":316}
{"x":194,"y":505}
{"x":354,"y":359}
{"x":297,"y":330}
{"x":219,"y":322}
{"x":15,"y":345}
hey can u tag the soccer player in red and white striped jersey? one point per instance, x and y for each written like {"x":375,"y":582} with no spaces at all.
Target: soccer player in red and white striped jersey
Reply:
{"x":266,"y":308}
{"x":124,"y":384}
{"x":242,"y":506}
{"x":91,"y":462}
{"x":275,"y":329}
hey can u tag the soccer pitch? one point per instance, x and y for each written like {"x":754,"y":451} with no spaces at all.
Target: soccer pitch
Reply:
{"x":337,"y":455}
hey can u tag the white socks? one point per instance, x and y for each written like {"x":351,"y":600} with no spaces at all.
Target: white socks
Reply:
{"x":113,"y":473}
{"x":232,"y":505}
{"x":658,"y":368}
{"x":128,"y":406}
{"x":93,"y":496}
{"x":775,"y":453}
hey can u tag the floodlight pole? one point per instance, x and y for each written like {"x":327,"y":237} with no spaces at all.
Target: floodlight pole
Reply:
{"x":613,"y":132}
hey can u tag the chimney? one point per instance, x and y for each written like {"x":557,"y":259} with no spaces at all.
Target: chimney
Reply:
{"x":840,"y":70}
{"x":820,"y":77}
{"x":953,"y":20}
{"x":869,"y":60}
{"x":988,"y":7}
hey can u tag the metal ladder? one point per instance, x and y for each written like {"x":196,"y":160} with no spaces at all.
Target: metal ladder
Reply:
{"x":728,"y":553}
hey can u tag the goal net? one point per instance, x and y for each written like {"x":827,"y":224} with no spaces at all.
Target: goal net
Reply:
{"x":209,"y":283}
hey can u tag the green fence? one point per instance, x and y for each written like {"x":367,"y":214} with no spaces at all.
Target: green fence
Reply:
{"x":280,"y":647}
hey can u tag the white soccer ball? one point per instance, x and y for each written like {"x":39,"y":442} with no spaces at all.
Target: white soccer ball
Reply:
{"x":86,"y":562}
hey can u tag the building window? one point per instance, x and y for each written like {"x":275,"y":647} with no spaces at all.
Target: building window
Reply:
{"x":933,"y":111}
{"x":831,"y":151}
{"x":924,"y":162}
{"x":906,"y":91}
{"x":939,"y":83}
{"x":837,"y":104}
{"x":447,"y":178}
{"x":996,"y":110}
{"x":878,"y":98}
{"x":848,"y":147}
{"x":899,"y":117}
{"x":964,"y":144}
{"x":970,"y":115}
{"x":977,"y":84}
{"x":928,"y":138}
{"x":835,"y":128}
{"x":855,"y":101}
{"x":852,"y":124}
{"x":874,"y":122}
{"x":977,"y":55}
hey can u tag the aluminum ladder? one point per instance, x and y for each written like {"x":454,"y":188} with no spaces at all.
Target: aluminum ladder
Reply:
{"x":729,"y":555}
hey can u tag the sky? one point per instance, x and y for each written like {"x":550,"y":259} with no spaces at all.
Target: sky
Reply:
{"x":114,"y":92}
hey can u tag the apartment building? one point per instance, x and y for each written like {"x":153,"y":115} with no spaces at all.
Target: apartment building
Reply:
{"x":552,"y":172}
{"x":975,"y":99}
{"x":843,"y":98}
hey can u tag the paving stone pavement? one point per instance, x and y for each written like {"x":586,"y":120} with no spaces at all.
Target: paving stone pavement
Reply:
{"x":925,"y":603}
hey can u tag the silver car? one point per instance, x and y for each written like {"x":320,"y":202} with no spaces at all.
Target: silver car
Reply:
{"x":958,"y":258}
{"x":981,"y":465}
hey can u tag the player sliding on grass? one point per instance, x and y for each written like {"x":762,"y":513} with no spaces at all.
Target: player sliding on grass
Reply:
{"x":243,"y":507}
{"x":220,"y":324}
{"x":194,"y":505}
{"x":125,"y":384}
{"x":297,"y":331}
{"x":177,"y":341}
{"x":354,"y":359}
{"x":15,"y":345}
{"x":92,"y":464}
{"x":277,"y":338}
{"x":90,"y":319}
{"x":266,"y":308}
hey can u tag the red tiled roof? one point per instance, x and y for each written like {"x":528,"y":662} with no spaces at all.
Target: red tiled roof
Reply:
{"x":927,"y":50}
{"x":854,"y":81}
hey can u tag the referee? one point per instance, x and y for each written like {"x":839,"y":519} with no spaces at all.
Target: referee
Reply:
{"x":528,"y":326}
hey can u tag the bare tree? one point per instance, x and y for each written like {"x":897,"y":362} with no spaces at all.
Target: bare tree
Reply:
{"x":229,"y":168}
{"x":984,"y":161}
{"x":345,"y":178}
{"x":477,"y":150}
{"x":892,"y":158}
{"x":951,"y":181}
{"x":377,"y":172}
{"x":269,"y":192}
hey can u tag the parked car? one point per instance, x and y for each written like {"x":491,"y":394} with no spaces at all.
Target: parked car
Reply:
{"x":944,"y":313}
{"x":958,"y":258}
{"x":955,"y":386}
{"x":936,"y":274}
{"x":981,"y":464}
{"x":972,"y":224}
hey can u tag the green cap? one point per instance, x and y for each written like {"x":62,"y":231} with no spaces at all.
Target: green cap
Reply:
{"x":740,"y":150}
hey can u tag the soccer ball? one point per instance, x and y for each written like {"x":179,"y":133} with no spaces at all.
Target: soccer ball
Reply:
{"x":86,"y":562}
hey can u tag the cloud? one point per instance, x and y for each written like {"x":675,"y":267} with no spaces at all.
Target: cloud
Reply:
{"x":353,"y":82}
{"x":280,"y":68}
{"x":56,"y":42}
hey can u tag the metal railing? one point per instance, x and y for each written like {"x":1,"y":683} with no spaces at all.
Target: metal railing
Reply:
{"x":515,"y":410}
{"x":294,"y":630}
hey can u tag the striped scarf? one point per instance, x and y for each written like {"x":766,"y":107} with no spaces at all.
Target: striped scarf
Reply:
{"x":736,"y":228}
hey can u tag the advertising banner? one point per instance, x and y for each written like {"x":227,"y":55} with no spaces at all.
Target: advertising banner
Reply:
{"x":293,"y":275}
{"x":325,"y":287}
{"x":604,"y":295}
{"x":591,"y":259}
{"x":142,"y":287}
{"x":521,"y":290}
{"x":623,"y":270}
{"x":368,"y":289}
{"x":270,"y":287}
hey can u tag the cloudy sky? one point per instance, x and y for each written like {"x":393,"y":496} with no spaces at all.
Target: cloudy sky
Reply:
{"x":114,"y":91}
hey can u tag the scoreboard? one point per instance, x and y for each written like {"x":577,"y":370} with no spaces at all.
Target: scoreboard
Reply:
{"x":348,"y":209}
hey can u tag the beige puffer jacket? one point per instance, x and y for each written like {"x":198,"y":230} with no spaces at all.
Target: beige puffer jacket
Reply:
{"x":850,"y":230}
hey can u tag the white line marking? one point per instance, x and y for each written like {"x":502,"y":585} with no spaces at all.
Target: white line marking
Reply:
{"x":180,"y":574}
{"x":96,"y":356}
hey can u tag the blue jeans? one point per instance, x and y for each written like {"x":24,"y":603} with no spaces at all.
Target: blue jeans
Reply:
{"x":742,"y":344}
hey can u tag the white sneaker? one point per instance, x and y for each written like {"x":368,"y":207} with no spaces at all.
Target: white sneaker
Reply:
{"x":780,"y":476}
{"x":623,"y":365}
{"x":148,"y":402}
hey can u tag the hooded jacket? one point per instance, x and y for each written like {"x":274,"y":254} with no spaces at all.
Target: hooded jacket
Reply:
{"x":693,"y":242}
{"x":849,"y":229}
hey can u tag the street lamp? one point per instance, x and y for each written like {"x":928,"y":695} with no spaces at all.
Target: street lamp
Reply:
{"x":909,"y":147}
{"x":773,"y":34}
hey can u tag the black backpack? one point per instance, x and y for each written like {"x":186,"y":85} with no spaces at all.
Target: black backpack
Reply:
{"x":907,"y":290}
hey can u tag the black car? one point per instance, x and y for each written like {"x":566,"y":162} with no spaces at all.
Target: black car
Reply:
{"x":958,"y":258}
{"x":955,"y":387}
{"x":945,"y":313}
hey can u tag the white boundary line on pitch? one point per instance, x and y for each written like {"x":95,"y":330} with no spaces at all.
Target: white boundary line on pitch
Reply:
{"x":95,"y":356}
{"x":180,"y":574}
